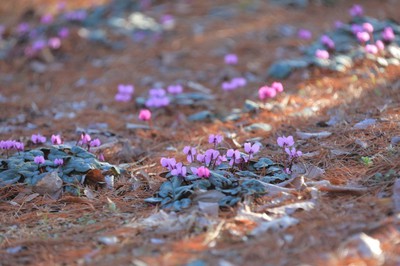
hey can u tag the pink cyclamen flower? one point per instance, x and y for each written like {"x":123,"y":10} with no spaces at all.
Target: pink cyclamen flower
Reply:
{"x":39,"y":159}
{"x":63,"y":33}
{"x":85,"y":138}
{"x":38,"y":139}
{"x":120,"y":97}
{"x":95,"y":143}
{"x":293,"y":153}
{"x":58,"y":162}
{"x":210,"y":156}
{"x":157,"y":92}
{"x":157,"y":102}
{"x":251,"y":149}
{"x":338,"y":24}
{"x":285,"y":141}
{"x":363,"y":36}
{"x":7,"y":144}
{"x":19,"y":146}
{"x":56,"y":139}
{"x":304,"y":34}
{"x":371,"y":49}
{"x":239,"y":82}
{"x":54,"y":43}
{"x":327,"y":41}
{"x":235,"y":156}
{"x":126,"y":89}
{"x":201,"y":171}
{"x":215,"y":139}
{"x":228,"y":86}
{"x":231,"y":59}
{"x":190,"y":152}
{"x":46,"y":19}
{"x":322,"y":54}
{"x":356,"y":28}
{"x":277,"y":86}
{"x":356,"y":11}
{"x":368,"y":27}
{"x":266,"y":92}
{"x":179,"y":170}
{"x":380,"y":45}
{"x":200,"y":158}
{"x":145,"y":115}
{"x":168,"y":163}
{"x":388,"y":34}
{"x":175,"y":89}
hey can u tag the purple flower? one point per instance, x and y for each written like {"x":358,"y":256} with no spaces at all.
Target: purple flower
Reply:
{"x":19,"y":146}
{"x":39,"y":160}
{"x":200,"y":158}
{"x":251,"y":149}
{"x":285,"y":141}
{"x":54,"y":43}
{"x":78,"y":15}
{"x":266,"y":92}
{"x":368,"y":27}
{"x":101,"y":157}
{"x":328,"y":42}
{"x":38,"y":139}
{"x":56,"y":139}
{"x":201,"y":171}
{"x":38,"y":45}
{"x":380,"y":45}
{"x":157,"y":102}
{"x":277,"y":86}
{"x":190,"y":152}
{"x":231,"y":59}
{"x":175,"y":89}
{"x":126,"y":89}
{"x":363,"y":36}
{"x":215,"y":139}
{"x":228,"y":86}
{"x":121,"y":97}
{"x":239,"y":82}
{"x":63,"y":33}
{"x":145,"y":115}
{"x":371,"y":49}
{"x":304,"y":34}
{"x":388,"y":34}
{"x":168,"y":22}
{"x":356,"y":28}
{"x":293,"y":153}
{"x":168,"y":163}
{"x":210,"y":156}
{"x":356,"y":11}
{"x":220,"y":159}
{"x":46,"y":19}
{"x":58,"y":162}
{"x":157,"y":92}
{"x":85,"y":138}
{"x":179,"y":170}
{"x":95,"y":143}
{"x":338,"y":24}
{"x":235,"y":156}
{"x":23,"y":28}
{"x":7,"y":144}
{"x":322,"y":54}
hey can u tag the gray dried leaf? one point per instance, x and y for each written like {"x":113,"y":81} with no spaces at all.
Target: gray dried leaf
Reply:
{"x":50,"y":184}
{"x":365,"y":123}
{"x":396,"y":196}
{"x":318,"y":135}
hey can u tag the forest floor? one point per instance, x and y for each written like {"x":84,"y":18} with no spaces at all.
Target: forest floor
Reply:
{"x":76,"y":90}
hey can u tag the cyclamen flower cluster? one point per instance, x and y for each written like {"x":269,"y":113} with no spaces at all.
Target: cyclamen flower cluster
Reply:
{"x":287,"y":144}
{"x":158,"y":98}
{"x":234,"y":84}
{"x":210,"y":159}
{"x":269,"y":92}
{"x":11,"y":144}
{"x":38,"y":139}
{"x":231,"y":59}
{"x":124,"y":93}
{"x":86,"y":139}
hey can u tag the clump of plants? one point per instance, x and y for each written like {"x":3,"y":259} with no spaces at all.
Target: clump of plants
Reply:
{"x":235,"y":173}
{"x":71,"y":162}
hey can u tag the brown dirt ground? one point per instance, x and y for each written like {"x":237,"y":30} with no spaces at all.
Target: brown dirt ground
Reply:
{"x":65,"y":231}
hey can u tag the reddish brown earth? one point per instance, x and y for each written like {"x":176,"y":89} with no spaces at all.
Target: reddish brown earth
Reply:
{"x":66,"y":231}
